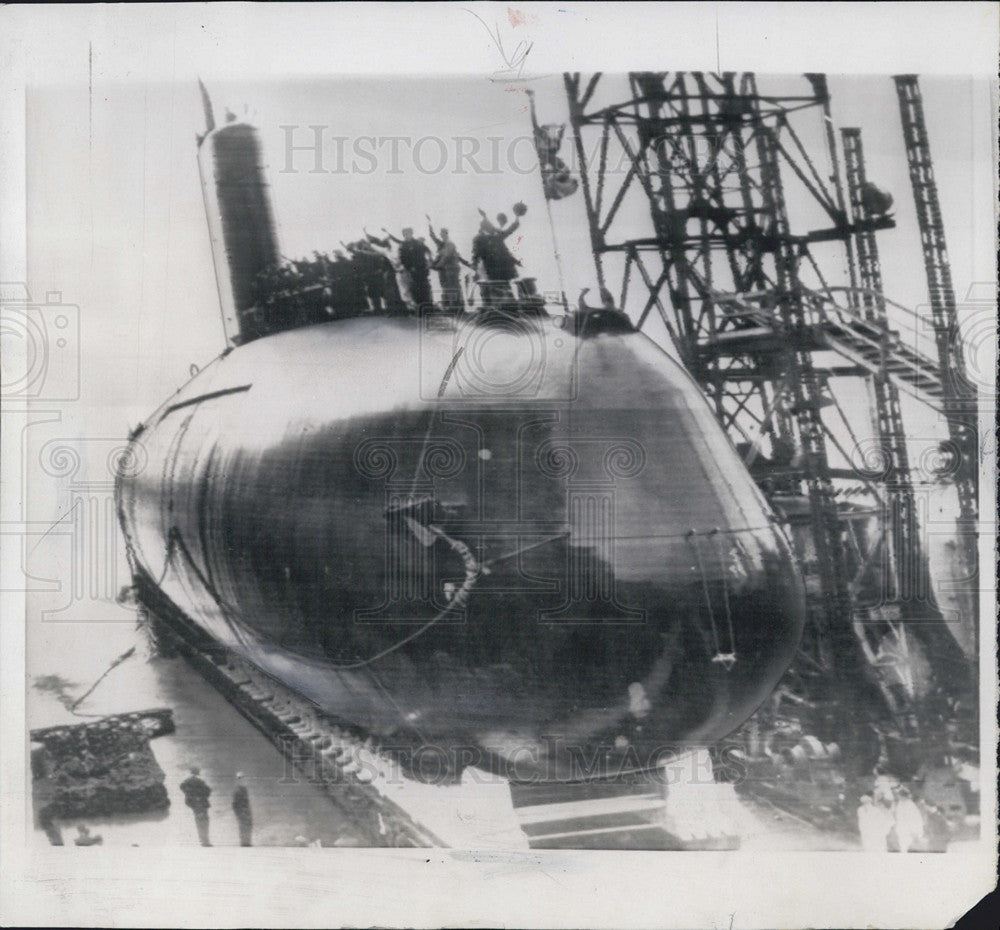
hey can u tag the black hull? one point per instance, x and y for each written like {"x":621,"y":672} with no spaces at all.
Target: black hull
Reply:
{"x":316,"y":501}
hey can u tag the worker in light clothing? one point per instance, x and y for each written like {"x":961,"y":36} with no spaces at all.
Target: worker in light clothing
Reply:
{"x":402,"y":276}
{"x":448,"y":264}
{"x":874,"y":824}
{"x":909,"y":822}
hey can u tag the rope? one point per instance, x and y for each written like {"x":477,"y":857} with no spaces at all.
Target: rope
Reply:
{"x":726,"y":659}
{"x":169,"y":557}
{"x":692,"y":538}
{"x":555,"y":250}
{"x":449,"y":371}
{"x":127,"y":654}
{"x":721,"y":657}
{"x":473,"y":570}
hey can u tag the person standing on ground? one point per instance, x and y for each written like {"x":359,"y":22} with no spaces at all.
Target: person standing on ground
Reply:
{"x":241,"y":808}
{"x":938,"y":831}
{"x":196,"y":794}
{"x":47,"y":822}
{"x":874,"y":824}
{"x":909,"y":822}
{"x":86,"y":838}
{"x":305,"y":842}
{"x":883,"y":790}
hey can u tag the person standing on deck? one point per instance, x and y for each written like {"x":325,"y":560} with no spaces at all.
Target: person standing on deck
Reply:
{"x":369,"y":265}
{"x":490,"y":252}
{"x":413,"y":257}
{"x":448,"y":264}
{"x":384,"y":268}
{"x":402,"y":276}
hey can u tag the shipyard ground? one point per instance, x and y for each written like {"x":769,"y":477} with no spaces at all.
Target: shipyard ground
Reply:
{"x":290,"y":802}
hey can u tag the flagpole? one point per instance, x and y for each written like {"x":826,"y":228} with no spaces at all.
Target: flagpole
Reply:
{"x":555,"y":249}
{"x":548,"y":203}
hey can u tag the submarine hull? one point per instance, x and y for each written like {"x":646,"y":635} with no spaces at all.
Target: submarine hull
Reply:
{"x":524,"y":547}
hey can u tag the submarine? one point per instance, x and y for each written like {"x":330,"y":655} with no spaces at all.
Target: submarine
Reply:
{"x":517,"y":535}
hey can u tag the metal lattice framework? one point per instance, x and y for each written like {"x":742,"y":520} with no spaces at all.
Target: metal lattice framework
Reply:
{"x":683,"y":178}
{"x":960,"y":406}
{"x":905,"y":559}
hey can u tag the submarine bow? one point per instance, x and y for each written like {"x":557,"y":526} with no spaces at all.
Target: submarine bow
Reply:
{"x":546,"y":542}
{"x":521,"y":536}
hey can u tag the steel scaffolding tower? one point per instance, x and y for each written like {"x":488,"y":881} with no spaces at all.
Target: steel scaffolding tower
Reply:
{"x":703,"y":159}
{"x":960,"y":406}
{"x":901,"y":523}
{"x":904,"y":560}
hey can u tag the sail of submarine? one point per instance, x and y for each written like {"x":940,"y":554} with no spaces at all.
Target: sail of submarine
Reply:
{"x":515,"y":533}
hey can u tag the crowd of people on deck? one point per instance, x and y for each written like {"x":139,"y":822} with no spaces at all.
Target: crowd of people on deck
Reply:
{"x":388,"y":274}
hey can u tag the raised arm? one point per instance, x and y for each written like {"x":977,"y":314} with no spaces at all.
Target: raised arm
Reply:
{"x":531,"y":101}
{"x":487,"y":220}
{"x":513,"y":226}
{"x":434,"y":236}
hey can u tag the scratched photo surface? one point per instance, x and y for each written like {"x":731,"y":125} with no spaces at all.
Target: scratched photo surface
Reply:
{"x":588,"y":462}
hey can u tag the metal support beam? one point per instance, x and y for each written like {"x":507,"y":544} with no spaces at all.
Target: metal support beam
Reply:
{"x":750,"y":310}
{"x":959,"y":392}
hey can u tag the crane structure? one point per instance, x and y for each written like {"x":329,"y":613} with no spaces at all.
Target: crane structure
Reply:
{"x":904,"y":563}
{"x":960,"y":406}
{"x":695,"y":236}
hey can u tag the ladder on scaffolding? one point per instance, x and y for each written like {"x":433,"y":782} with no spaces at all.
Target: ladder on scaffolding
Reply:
{"x":958,"y":396}
{"x":889,"y":417}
